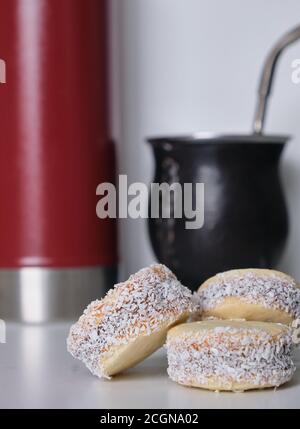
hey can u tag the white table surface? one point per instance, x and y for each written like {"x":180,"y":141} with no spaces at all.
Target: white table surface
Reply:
{"x":37,"y":372}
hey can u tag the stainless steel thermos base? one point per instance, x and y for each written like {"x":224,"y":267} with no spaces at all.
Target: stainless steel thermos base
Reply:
{"x":37,"y":295}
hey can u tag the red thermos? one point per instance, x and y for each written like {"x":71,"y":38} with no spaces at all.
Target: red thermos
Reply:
{"x":55,"y":254}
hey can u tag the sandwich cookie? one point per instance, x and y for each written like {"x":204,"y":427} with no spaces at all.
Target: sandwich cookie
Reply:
{"x":130,"y":322}
{"x":250,"y":294}
{"x":230,"y":355}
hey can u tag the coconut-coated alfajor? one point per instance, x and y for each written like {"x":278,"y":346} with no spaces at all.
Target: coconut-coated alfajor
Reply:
{"x":250,"y":294}
{"x":130,"y":322}
{"x":230,"y":355}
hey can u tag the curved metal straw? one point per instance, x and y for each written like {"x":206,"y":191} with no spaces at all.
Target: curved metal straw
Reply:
{"x":268,"y":75}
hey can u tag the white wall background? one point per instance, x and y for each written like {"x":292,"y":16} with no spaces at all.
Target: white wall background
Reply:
{"x":181,"y":66}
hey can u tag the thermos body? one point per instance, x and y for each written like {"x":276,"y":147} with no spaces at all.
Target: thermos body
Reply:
{"x":55,"y":149}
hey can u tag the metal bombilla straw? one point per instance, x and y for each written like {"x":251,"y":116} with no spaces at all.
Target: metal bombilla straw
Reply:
{"x":268,"y":75}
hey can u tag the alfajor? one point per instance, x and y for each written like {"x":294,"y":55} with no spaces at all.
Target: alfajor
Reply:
{"x":230,"y":355}
{"x":130,"y":322}
{"x":250,"y":294}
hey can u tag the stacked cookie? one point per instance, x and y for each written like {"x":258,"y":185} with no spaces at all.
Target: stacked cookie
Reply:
{"x":251,"y":294}
{"x":243,"y":341}
{"x":138,"y":316}
{"x":230,"y":355}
